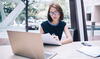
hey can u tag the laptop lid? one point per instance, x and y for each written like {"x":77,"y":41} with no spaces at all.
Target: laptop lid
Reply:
{"x":26,"y":44}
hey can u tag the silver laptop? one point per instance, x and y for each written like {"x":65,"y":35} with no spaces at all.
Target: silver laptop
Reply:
{"x":28,"y":44}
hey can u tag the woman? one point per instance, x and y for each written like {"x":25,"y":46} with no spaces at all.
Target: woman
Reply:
{"x":55,"y":26}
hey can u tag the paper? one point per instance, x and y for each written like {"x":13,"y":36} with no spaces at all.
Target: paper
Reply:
{"x":47,"y":38}
{"x":93,"y":51}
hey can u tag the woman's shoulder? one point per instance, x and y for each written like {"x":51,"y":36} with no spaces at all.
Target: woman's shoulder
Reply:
{"x":44,"y":23}
{"x":62,"y":22}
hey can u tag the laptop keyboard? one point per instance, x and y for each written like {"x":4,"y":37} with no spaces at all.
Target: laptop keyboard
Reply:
{"x":49,"y":55}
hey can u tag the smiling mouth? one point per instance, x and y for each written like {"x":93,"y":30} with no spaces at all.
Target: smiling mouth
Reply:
{"x":55,"y":17}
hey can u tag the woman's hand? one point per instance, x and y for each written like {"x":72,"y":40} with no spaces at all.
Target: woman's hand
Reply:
{"x":55,"y":37}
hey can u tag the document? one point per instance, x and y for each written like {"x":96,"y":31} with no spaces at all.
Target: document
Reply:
{"x":48,"y":39}
{"x":93,"y":51}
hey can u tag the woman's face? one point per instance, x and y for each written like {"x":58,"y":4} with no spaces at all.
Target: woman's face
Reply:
{"x":54,"y":14}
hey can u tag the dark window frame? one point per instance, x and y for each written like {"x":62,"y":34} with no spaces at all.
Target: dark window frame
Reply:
{"x":74,"y":20}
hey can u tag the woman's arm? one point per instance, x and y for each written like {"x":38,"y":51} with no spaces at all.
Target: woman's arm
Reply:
{"x":41,"y":30}
{"x":68,"y":36}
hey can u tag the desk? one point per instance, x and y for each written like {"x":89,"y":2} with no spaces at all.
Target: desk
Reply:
{"x":67,"y":51}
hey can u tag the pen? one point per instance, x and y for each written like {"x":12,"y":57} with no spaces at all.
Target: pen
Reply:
{"x":85,"y":44}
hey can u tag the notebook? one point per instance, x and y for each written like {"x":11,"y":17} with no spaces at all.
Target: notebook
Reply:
{"x":47,"y":39}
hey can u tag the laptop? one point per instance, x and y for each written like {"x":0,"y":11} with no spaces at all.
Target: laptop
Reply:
{"x":28,"y":45}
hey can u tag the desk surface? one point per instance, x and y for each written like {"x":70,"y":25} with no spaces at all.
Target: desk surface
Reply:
{"x":67,"y":51}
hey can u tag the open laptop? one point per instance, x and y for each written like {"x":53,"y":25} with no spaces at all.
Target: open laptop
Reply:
{"x":28,"y":44}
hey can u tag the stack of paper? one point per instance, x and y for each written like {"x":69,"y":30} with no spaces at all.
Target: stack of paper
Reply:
{"x":93,"y":51}
{"x":47,"y":39}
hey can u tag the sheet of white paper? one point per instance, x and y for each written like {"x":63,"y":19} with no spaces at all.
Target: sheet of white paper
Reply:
{"x":49,"y":40}
{"x":93,"y":51}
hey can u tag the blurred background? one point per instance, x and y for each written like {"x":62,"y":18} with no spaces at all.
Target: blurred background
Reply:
{"x":12,"y":15}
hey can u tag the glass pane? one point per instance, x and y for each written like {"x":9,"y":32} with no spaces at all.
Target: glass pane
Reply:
{"x":90,"y":7}
{"x":6,"y":9}
{"x":39,"y":8}
{"x":37,"y":12}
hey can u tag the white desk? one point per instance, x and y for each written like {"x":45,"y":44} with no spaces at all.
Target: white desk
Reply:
{"x":67,"y":51}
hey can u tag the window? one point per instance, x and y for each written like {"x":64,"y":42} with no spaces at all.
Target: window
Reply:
{"x":89,"y":10}
{"x":37,"y":12}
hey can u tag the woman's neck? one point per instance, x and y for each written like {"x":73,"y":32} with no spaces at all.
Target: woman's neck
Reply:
{"x":55,"y":22}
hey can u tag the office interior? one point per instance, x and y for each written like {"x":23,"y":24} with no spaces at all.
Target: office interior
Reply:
{"x":81,"y":17}
{"x":18,"y":16}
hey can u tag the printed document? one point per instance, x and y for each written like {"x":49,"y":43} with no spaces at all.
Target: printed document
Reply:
{"x":47,"y":39}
